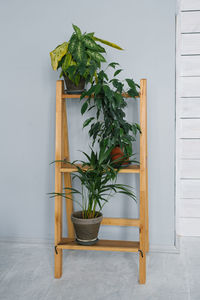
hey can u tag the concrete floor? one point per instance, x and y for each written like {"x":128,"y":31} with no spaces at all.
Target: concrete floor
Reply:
{"x":26,"y":273}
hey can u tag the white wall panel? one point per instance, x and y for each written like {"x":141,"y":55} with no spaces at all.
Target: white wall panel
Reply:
{"x":190,"y":86}
{"x":190,"y":226}
{"x":190,"y":65}
{"x":190,"y":44}
{"x":189,"y":128}
{"x":189,"y":107}
{"x":190,"y":208}
{"x":190,"y":189}
{"x":190,"y":148}
{"x":190,"y":5}
{"x":190,"y":169}
{"x":190,"y":21}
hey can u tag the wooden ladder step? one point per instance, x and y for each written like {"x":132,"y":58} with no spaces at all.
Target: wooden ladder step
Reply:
{"x":77,"y":96}
{"x":101,"y":245}
{"x":128,"y":169}
{"x":121,"y":222}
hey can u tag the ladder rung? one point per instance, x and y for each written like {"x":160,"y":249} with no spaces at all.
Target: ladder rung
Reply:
{"x":128,"y":169}
{"x":121,"y":222}
{"x":77,"y":96}
{"x":101,"y":245}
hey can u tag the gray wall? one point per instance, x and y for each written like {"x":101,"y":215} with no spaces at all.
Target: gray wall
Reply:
{"x":29,"y":31}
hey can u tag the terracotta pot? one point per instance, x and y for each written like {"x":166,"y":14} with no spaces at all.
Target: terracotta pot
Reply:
{"x":72,"y":88}
{"x":86,"y":230}
{"x":118,"y":153}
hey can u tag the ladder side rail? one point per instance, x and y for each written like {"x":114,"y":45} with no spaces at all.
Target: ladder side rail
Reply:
{"x":143,"y":140}
{"x":67,"y":176}
{"x":146,"y":173}
{"x":58,"y":180}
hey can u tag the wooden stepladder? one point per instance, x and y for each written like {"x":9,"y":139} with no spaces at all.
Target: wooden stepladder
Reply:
{"x":63,"y":172}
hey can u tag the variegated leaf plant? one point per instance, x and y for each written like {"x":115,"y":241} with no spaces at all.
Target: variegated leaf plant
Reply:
{"x":80,"y":57}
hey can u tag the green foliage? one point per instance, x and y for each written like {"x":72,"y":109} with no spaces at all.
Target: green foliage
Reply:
{"x":98,"y":182}
{"x":80,"y":57}
{"x":110,"y":125}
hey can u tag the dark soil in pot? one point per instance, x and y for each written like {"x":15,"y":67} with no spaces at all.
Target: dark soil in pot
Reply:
{"x":118,"y":154}
{"x":86,"y":230}
{"x":71,"y":88}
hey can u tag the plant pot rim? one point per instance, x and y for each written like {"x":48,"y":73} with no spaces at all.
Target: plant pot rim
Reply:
{"x":75,"y":217}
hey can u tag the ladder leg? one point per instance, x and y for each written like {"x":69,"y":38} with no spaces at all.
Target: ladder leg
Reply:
{"x":142,"y":268}
{"x":142,"y":230}
{"x":58,"y":263}
{"x":58,"y":227}
{"x":58,"y":224}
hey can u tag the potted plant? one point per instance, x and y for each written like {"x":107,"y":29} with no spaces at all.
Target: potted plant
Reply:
{"x":98,"y":183}
{"x":107,"y":98}
{"x":79,"y":58}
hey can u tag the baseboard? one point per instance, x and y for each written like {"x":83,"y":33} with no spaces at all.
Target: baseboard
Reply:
{"x":164,"y":249}
{"x":49,"y":242}
{"x":167,"y":248}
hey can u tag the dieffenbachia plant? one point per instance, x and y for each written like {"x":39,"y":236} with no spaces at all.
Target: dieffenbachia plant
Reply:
{"x":80,"y":57}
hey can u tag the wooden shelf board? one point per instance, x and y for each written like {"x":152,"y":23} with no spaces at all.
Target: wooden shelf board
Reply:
{"x":121,"y":222}
{"x":77,"y":96}
{"x":101,"y":245}
{"x":129,"y":169}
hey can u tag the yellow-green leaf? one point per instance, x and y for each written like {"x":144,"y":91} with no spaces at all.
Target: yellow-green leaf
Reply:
{"x":107,"y":43}
{"x":57,"y":54}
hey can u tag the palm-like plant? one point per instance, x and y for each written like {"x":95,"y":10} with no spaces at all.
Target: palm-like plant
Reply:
{"x":80,"y":57}
{"x":106,"y":96}
{"x":98,"y":182}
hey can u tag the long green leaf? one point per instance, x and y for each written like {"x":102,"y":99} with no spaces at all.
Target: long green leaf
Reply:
{"x":117,"y":72}
{"x":77,"y":30}
{"x":84,"y":107}
{"x":87,"y":122}
{"x":72,"y":44}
